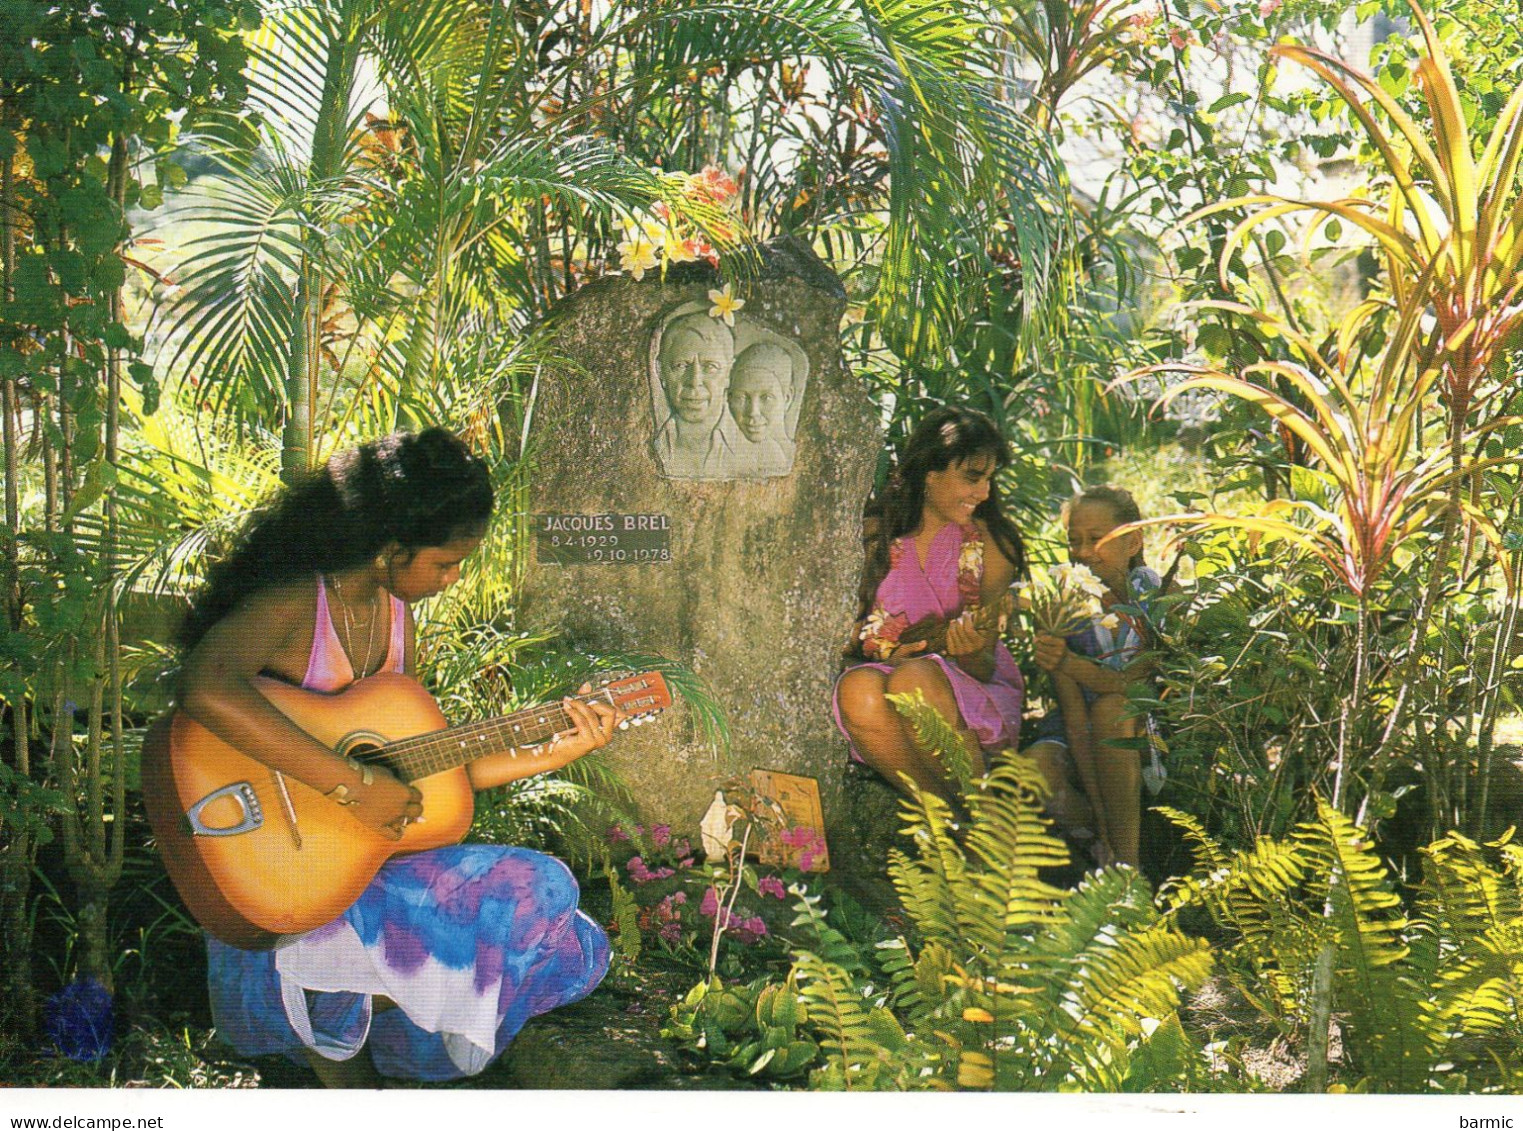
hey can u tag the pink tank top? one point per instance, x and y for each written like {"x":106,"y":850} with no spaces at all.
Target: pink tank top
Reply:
{"x":328,"y":666}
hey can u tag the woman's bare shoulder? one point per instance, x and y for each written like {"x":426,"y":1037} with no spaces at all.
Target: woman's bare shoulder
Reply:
{"x":262,"y":629}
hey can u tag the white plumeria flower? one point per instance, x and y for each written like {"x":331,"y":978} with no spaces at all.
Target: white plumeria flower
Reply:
{"x":971,"y":560}
{"x":1110,"y":622}
{"x":1083,"y":578}
{"x":725,"y":304}
{"x":872,"y":625}
{"x":637,"y":257}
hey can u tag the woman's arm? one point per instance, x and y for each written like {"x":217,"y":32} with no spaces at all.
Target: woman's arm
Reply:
{"x":1101,"y":679}
{"x":595,"y":724}
{"x":218,"y":693}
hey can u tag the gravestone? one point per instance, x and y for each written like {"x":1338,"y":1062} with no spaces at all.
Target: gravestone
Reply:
{"x":698,"y":493}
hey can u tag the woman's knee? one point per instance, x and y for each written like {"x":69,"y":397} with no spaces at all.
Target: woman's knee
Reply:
{"x":1052,"y":762}
{"x":926,"y":677}
{"x":859,"y":696}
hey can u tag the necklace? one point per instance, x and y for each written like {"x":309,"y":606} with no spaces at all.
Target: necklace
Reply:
{"x":358,"y":662}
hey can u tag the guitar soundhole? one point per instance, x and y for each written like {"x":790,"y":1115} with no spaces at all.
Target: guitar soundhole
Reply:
{"x":365,"y":748}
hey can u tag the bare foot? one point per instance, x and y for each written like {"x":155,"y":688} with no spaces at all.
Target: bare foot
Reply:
{"x":356,"y":1072}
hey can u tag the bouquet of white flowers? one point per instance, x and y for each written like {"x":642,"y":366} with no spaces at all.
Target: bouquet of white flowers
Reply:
{"x":1069,"y":602}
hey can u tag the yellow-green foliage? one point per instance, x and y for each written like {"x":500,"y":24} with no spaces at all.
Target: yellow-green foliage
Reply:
{"x":932,"y":732}
{"x":1426,"y":1004}
{"x":1009,"y":983}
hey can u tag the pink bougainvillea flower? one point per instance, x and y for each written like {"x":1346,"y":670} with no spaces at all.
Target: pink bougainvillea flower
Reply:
{"x":615,"y":834}
{"x":710,"y":905}
{"x":671,"y":933}
{"x":644,"y":875}
{"x":660,"y":835}
{"x":771,"y":885}
{"x":713,"y":184}
{"x":749,"y":930}
{"x":702,"y":249}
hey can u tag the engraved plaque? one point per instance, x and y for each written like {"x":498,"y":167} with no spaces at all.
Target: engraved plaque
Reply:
{"x":602,"y":539}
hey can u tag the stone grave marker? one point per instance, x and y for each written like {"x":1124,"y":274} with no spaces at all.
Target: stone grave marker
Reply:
{"x":698,"y":493}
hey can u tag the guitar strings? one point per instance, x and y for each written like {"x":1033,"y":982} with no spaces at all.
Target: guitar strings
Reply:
{"x":438,"y":750}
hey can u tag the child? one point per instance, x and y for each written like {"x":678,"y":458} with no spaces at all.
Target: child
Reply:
{"x":1092,"y":670}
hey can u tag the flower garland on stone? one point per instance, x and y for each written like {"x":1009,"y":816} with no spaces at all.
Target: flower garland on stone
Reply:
{"x":665,"y":235}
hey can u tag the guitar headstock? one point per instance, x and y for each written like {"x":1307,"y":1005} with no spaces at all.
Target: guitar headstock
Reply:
{"x":639,"y":697}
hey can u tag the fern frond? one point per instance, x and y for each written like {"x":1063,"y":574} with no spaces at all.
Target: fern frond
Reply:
{"x":1207,"y":853}
{"x":928,"y":886}
{"x":820,"y":938}
{"x":1386,"y":1031}
{"x":933,"y":733}
{"x":1009,"y":839}
{"x":856,"y":1037}
{"x":1126,"y":978}
{"x":1257,"y":894}
{"x":918,"y":982}
{"x":626,"y":913}
{"x":1467,"y":896}
{"x":1360,"y":888}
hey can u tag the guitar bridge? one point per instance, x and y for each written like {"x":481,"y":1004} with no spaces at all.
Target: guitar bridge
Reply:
{"x":251,"y":813}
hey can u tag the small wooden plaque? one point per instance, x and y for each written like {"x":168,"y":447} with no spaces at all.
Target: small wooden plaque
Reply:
{"x":799,"y":799}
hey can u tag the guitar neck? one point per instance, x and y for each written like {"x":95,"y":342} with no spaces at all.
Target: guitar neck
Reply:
{"x":452,"y":747}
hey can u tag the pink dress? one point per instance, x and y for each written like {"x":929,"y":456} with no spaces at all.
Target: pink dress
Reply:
{"x":469,"y":941}
{"x":949,"y":584}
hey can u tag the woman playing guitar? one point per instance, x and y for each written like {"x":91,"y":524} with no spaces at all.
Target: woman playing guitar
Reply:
{"x":467,"y":941}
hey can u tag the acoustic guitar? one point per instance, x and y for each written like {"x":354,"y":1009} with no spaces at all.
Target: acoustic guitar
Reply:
{"x":256,"y":854}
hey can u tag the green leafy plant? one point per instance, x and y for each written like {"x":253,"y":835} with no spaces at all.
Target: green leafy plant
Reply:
{"x":1426,"y":1003}
{"x":1005,"y":982}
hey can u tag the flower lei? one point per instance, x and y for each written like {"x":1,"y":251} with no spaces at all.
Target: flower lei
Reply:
{"x":882,"y":630}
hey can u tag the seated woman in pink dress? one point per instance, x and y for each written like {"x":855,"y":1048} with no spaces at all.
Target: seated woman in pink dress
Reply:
{"x":938,"y":546}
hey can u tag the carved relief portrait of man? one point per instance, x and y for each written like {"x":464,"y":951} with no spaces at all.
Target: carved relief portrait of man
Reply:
{"x":694,"y":367}
{"x":726,"y":402}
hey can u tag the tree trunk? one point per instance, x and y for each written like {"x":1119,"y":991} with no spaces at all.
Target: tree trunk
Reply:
{"x":18,"y":1014}
{"x":328,"y":144}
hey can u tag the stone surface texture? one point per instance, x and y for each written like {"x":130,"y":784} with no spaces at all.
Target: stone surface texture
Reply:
{"x":759,"y":595}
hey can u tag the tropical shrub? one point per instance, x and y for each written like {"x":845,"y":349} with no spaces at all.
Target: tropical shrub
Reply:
{"x":1003,"y":982}
{"x":1427,"y":1002}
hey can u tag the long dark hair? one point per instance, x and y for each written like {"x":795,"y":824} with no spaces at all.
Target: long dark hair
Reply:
{"x":946,"y":436}
{"x":415,"y":491}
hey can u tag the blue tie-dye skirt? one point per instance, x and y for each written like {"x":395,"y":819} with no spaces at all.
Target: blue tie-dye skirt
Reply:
{"x":469,"y":942}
